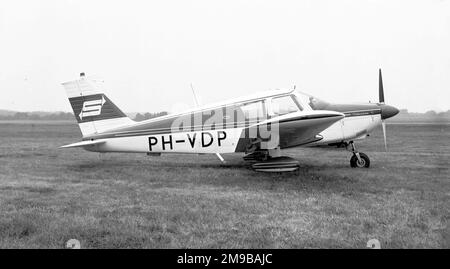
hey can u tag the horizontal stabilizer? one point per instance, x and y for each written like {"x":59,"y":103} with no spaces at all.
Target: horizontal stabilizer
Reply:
{"x":84,"y":144}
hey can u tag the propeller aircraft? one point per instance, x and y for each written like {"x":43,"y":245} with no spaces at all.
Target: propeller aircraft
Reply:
{"x":259,"y":125}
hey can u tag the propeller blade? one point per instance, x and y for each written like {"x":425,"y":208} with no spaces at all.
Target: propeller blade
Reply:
{"x":383,"y":124}
{"x":380,"y":87}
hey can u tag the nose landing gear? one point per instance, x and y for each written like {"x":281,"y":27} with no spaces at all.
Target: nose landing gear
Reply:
{"x":358,"y":159}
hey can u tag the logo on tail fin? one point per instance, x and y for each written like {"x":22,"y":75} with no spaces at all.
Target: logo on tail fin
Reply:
{"x":92,"y":108}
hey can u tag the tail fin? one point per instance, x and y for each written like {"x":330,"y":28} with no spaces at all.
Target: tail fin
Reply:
{"x":94,"y":111}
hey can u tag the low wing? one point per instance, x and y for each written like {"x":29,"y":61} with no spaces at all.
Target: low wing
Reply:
{"x":84,"y":144}
{"x":300,"y":129}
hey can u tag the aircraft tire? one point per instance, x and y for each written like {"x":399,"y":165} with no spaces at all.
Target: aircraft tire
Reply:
{"x":365,"y":161}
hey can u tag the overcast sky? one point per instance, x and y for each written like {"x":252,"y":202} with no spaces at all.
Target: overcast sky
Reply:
{"x":148,"y":53}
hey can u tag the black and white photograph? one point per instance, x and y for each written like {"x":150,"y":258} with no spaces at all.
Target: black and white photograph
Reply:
{"x":244,"y":125}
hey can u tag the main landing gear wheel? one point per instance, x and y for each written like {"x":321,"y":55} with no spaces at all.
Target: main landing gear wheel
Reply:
{"x":363,"y":162}
{"x":272,"y":162}
{"x":277,"y":165}
{"x":358,"y":159}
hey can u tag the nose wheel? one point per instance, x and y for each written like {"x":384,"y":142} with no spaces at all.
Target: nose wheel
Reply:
{"x":363,"y":161}
{"x":359,"y":159}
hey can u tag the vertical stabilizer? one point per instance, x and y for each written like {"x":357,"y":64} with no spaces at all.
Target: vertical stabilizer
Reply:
{"x":94,"y":111}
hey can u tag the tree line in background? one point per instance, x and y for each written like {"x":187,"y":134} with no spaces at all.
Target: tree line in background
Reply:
{"x":64,"y":116}
{"x":429,"y":116}
{"x":37,"y":116}
{"x":146,"y":116}
{"x":404,"y":115}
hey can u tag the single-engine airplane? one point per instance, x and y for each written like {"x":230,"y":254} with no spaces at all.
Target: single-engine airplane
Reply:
{"x":259,"y":125}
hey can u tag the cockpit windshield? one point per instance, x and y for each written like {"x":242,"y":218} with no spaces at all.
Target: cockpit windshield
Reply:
{"x":314,"y":102}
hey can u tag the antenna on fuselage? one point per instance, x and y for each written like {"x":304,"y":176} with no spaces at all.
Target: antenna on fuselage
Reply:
{"x":195,"y":96}
{"x":196,"y":102}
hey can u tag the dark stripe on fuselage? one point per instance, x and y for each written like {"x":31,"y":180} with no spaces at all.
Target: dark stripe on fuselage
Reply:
{"x":168,"y":131}
{"x":362,"y":113}
{"x":201,"y":128}
{"x":308,"y":117}
{"x":189,"y":129}
{"x":350,"y":110}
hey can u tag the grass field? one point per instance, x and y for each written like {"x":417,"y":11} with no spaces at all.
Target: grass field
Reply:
{"x":49,"y":195}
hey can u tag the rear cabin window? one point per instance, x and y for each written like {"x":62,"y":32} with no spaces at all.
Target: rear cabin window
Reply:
{"x":253,"y":111}
{"x":283,"y":105}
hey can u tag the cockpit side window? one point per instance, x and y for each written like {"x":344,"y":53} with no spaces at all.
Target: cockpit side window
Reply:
{"x":284,"y":105}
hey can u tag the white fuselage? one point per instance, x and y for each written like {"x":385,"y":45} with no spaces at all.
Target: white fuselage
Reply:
{"x":210,"y":141}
